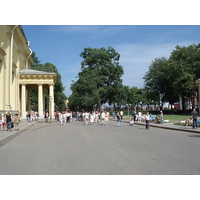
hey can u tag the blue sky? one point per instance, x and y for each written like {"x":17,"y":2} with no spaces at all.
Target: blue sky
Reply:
{"x":138,"y":45}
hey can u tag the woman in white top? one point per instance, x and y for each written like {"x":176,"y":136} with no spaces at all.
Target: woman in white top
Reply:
{"x":147,"y":118}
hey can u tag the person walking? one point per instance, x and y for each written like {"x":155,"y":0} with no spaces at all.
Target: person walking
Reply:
{"x":118,"y":120}
{"x":113,"y":115}
{"x":161,"y":117}
{"x":16,"y":122}
{"x":9,"y":122}
{"x":134,"y":115}
{"x":194,"y":117}
{"x":147,"y":119}
{"x":121,"y":114}
{"x":29,"y":118}
{"x":103,"y":115}
{"x":63,"y":118}
{"x":1,"y":122}
{"x":68,"y":116}
{"x":91,"y":118}
{"x":107,"y":118}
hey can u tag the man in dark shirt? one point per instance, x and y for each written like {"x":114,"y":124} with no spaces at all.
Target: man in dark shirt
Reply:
{"x":194,"y":117}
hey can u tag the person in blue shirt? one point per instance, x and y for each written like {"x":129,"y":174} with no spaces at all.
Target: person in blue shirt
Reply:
{"x":194,"y":117}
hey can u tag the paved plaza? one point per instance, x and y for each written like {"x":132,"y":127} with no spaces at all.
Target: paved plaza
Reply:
{"x":78,"y":149}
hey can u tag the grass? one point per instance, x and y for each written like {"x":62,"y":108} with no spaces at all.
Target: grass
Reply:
{"x":171,"y":118}
{"x":175,"y":118}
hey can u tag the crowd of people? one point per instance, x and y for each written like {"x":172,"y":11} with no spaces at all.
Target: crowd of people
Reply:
{"x":7,"y":122}
{"x":68,"y":116}
{"x":87,"y":117}
{"x":71,"y":116}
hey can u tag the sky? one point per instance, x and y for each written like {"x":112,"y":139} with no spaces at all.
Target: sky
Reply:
{"x":59,"y":31}
{"x":138,"y":46}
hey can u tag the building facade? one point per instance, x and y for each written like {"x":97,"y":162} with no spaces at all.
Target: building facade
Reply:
{"x":16,"y":79}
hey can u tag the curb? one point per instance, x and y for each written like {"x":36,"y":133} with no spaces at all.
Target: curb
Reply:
{"x":164,"y":127}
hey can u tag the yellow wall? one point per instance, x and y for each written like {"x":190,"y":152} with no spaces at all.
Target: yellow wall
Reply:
{"x":9,"y":85}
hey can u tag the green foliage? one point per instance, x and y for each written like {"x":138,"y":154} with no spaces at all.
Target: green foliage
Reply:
{"x":99,"y":80}
{"x":59,"y":96}
{"x":169,"y":79}
{"x":185,"y":62}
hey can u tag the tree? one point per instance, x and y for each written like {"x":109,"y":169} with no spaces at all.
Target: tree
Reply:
{"x":100,"y":79}
{"x":155,"y":79}
{"x":35,"y":59}
{"x":185,"y":62}
{"x":59,"y":96}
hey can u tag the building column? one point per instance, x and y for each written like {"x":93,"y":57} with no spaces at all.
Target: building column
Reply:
{"x":29,"y":99}
{"x":51,"y":101}
{"x":23,"y":100}
{"x":40,"y":101}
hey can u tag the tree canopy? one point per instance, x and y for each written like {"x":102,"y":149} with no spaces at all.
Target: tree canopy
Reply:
{"x":99,"y":80}
{"x":59,"y":96}
{"x":168,"y":80}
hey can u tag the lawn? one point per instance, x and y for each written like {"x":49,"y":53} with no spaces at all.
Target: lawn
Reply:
{"x":171,"y":118}
{"x":175,"y":118}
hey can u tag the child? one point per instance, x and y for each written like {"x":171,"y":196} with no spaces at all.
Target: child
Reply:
{"x":131,"y":121}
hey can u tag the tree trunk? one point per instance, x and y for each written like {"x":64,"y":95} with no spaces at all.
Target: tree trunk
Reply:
{"x":183,"y":102}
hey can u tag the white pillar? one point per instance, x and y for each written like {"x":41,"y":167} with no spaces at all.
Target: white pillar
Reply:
{"x":29,"y":99}
{"x":51,"y":101}
{"x":40,"y":101}
{"x":23,"y":100}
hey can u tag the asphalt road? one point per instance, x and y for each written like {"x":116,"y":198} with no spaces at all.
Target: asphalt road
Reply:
{"x":77,"y":149}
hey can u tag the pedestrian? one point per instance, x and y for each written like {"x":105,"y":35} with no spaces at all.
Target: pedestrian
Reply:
{"x":16,"y":122}
{"x":194,"y":117}
{"x":113,"y":115}
{"x":77,"y":116}
{"x":118,"y":119}
{"x":103,"y":115}
{"x":63,"y":118}
{"x":46,"y":116}
{"x":86,"y":118}
{"x":9,"y":122}
{"x":96,"y":117}
{"x":3,"y":122}
{"x":147,"y":119}
{"x":131,"y":121}
{"x":91,"y":118}
{"x":121,"y":114}
{"x":161,"y":117}
{"x":134,"y":115}
{"x":68,"y":116}
{"x":29,"y":118}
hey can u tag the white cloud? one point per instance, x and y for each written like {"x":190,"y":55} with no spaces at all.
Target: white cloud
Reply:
{"x":136,"y":59}
{"x":94,"y":30}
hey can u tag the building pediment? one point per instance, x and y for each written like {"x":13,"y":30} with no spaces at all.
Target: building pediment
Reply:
{"x":31,"y":77}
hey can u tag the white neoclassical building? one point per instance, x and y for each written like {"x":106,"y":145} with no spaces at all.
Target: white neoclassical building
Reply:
{"x":16,"y":79}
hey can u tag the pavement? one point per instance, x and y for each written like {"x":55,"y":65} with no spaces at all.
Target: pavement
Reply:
{"x":6,"y":136}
